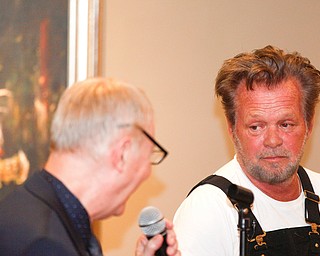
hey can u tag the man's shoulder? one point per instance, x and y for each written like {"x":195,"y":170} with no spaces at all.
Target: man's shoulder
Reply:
{"x":22,"y":207}
{"x":26,"y":218}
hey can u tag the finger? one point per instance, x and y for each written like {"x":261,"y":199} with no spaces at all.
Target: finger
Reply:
{"x":153,"y":245}
{"x":169,"y":224}
{"x":171,"y":240}
{"x":141,"y":245}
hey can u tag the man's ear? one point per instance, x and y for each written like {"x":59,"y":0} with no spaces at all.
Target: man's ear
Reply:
{"x":120,"y":153}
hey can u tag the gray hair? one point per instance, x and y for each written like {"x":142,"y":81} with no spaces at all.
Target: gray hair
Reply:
{"x":90,"y":113}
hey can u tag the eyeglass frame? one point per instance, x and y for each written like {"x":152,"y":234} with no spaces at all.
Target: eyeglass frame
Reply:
{"x":163,"y":150}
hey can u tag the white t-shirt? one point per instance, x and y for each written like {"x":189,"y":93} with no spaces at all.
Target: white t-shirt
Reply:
{"x":206,"y":222}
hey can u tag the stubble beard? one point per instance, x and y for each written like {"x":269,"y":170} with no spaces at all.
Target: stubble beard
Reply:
{"x":274,"y":173}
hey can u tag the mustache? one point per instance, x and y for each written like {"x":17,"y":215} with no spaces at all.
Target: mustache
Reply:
{"x":274,"y":153}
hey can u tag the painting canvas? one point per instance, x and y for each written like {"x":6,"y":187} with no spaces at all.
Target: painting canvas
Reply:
{"x":33,"y":74}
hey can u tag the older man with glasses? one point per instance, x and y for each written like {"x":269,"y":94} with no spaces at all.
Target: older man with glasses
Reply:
{"x":101,"y":150}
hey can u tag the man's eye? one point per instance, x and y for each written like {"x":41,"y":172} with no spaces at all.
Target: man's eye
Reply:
{"x":286,"y":125}
{"x":254,"y":127}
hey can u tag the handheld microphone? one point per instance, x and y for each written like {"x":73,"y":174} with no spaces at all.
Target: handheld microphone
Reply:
{"x":151,"y":222}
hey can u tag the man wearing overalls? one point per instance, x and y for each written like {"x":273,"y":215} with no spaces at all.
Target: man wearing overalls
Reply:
{"x":269,"y":98}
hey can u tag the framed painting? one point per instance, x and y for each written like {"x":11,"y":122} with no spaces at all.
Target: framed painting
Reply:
{"x":45,"y":46}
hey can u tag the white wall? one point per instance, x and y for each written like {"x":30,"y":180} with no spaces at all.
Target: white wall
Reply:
{"x":173,"y":49}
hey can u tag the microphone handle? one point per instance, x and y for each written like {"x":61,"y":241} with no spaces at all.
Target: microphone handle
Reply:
{"x":162,"y":251}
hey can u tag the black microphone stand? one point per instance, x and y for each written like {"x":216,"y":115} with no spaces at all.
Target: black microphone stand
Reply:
{"x":242,"y":198}
{"x":244,"y":226}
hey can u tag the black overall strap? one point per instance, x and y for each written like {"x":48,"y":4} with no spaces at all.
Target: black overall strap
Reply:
{"x":257,"y":234}
{"x":312,"y":200}
{"x":215,"y":180}
{"x":312,"y":214}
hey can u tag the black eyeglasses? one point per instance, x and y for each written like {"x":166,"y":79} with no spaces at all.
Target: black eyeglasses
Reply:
{"x":158,"y":153}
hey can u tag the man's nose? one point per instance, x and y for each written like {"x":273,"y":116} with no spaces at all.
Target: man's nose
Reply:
{"x":272,"y":137}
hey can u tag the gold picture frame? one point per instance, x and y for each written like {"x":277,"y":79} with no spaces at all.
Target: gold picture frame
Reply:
{"x":45,"y":46}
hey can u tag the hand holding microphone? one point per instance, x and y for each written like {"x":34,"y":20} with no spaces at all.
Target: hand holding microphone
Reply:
{"x":159,"y":238}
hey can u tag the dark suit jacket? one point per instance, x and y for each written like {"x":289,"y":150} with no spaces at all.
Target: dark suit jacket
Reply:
{"x":33,"y":222}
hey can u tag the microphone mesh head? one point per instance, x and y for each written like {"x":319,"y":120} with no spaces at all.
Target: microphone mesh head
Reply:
{"x":151,"y":221}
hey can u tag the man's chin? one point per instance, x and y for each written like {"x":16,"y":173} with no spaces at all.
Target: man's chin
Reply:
{"x":120,"y":210}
